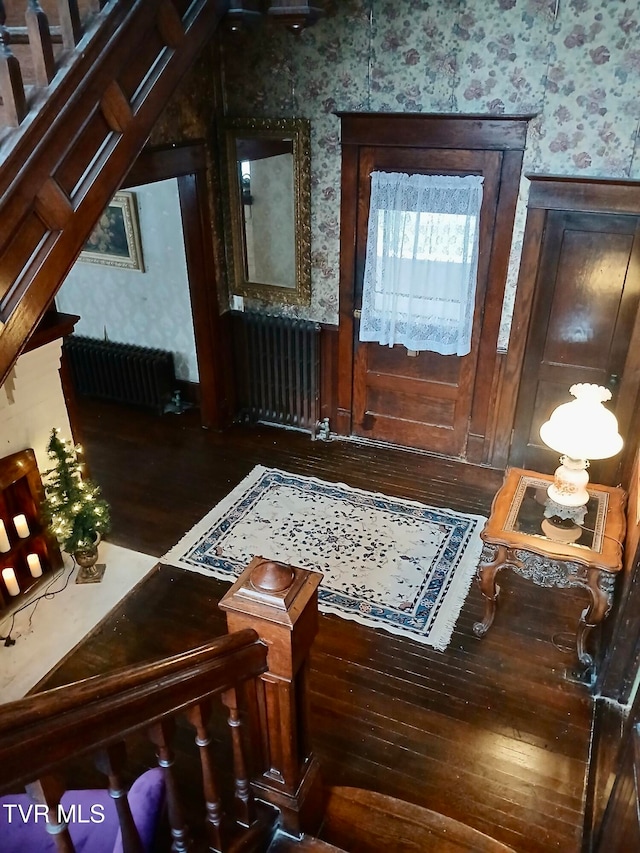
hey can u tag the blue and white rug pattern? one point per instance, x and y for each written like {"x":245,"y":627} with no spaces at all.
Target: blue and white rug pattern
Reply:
{"x":387,"y":563}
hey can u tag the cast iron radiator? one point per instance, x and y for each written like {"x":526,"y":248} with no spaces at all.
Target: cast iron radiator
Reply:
{"x":278,"y":369}
{"x":124,"y":373}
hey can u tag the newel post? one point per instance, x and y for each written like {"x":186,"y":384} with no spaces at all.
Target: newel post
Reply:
{"x":281,"y":603}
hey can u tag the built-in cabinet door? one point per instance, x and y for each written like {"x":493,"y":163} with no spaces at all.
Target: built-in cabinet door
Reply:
{"x":582,"y":327}
{"x":423,"y":400}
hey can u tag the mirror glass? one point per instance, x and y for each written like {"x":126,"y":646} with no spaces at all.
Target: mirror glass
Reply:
{"x":269,"y":216}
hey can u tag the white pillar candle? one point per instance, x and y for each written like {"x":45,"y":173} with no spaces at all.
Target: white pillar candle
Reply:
{"x":33,"y":561}
{"x":5,"y":545}
{"x":22,"y":528}
{"x":10,"y":581}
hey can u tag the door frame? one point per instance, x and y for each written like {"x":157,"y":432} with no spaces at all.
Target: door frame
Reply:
{"x":188,"y":163}
{"x":548,"y":193}
{"x":472,"y":132}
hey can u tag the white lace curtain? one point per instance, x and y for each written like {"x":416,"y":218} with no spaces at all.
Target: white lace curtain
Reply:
{"x":421,"y":261}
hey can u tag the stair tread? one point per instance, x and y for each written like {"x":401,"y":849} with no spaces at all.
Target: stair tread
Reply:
{"x":367,"y":822}
{"x":284,"y":844}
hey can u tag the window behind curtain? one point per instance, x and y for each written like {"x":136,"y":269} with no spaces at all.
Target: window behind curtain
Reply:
{"x":421,"y":261}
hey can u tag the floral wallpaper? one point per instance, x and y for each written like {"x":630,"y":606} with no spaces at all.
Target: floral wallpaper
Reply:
{"x":151,"y":308}
{"x":574,"y":63}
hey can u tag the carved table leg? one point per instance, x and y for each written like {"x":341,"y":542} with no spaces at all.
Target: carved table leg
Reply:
{"x":599,"y":607}
{"x":487,"y":582}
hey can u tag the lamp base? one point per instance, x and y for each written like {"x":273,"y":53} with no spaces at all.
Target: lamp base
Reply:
{"x":569,"y":487}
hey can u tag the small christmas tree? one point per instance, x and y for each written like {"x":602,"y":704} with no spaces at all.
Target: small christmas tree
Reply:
{"x":72,"y":507}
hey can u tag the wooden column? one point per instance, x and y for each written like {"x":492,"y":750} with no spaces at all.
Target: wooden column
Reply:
{"x":280,"y":603}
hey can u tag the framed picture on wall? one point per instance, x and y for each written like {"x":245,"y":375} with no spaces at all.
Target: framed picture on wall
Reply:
{"x":115,"y":240}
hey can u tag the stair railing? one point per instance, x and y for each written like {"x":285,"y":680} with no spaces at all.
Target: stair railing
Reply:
{"x":260,"y":676}
{"x":62,"y":163}
{"x":39,"y":733}
{"x":41,"y":64}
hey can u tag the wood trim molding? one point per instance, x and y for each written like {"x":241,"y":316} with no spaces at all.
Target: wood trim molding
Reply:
{"x":329,"y":374}
{"x":212,"y":343}
{"x":525,"y":289}
{"x":167,"y":161}
{"x":54,"y":325}
{"x":595,"y":195}
{"x":489,"y":359}
{"x":425,"y":130}
{"x":348,"y":224}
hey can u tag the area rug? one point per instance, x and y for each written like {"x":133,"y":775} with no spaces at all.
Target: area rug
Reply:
{"x":387,"y":563}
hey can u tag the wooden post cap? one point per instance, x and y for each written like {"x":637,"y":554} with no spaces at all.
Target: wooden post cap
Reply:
{"x":271,"y":590}
{"x":268,"y":576}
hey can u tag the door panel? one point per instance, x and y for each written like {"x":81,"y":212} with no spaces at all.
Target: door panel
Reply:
{"x":398,"y":403}
{"x":420,"y":401}
{"x":582,"y":324}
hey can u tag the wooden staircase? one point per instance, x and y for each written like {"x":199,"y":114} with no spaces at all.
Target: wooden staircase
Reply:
{"x":272,"y":801}
{"x":358,"y":821}
{"x":70,"y":138}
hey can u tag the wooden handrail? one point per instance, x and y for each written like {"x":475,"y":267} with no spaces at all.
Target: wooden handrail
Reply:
{"x":39,"y":732}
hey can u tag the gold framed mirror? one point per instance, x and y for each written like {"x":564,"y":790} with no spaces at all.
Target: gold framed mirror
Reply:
{"x":268,"y":218}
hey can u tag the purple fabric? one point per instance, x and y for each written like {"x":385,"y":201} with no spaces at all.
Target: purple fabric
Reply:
{"x":88,"y":833}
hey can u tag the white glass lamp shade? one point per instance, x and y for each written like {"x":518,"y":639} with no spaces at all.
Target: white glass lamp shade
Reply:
{"x":581,"y":430}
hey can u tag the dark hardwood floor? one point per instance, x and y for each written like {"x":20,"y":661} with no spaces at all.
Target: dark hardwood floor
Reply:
{"x":488,"y":732}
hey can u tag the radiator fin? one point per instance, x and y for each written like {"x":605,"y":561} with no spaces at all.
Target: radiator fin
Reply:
{"x":123,"y":373}
{"x":278,"y":367}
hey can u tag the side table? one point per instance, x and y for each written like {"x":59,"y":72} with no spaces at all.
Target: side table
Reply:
{"x":527,"y":533}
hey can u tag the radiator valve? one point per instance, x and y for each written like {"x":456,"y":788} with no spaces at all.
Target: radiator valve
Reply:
{"x":177,"y":405}
{"x":322,"y":430}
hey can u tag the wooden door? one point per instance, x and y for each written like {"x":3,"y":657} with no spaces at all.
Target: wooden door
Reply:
{"x":582,"y":327}
{"x":421,"y":401}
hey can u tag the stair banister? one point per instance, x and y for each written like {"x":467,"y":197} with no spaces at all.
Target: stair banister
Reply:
{"x":39,"y":732}
{"x":60,"y":168}
{"x":272,"y":612}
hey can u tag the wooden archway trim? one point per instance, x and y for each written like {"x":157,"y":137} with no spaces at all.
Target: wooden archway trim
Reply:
{"x":188,"y":164}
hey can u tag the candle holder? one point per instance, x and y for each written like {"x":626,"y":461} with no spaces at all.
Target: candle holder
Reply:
{"x":27,"y":547}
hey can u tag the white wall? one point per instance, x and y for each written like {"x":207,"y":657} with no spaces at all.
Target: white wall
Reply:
{"x":150,"y":308}
{"x":32,"y":403}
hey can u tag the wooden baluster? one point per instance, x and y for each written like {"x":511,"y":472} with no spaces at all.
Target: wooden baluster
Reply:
{"x":197,"y":717}
{"x":69,"y":23}
{"x":111,"y":762}
{"x":244,"y":798}
{"x":11,"y":85}
{"x":160,"y":735}
{"x":40,"y":43}
{"x":47,"y":792}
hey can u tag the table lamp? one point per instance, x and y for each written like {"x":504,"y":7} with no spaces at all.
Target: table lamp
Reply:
{"x":580,"y":430}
